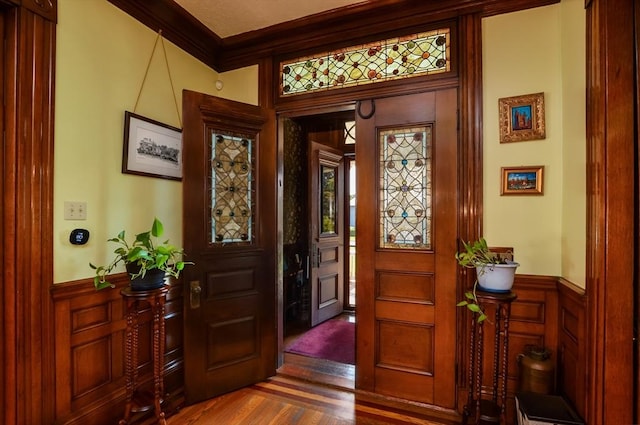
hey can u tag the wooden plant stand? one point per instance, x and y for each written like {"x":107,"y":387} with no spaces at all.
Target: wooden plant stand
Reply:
{"x":490,"y":409}
{"x":137,"y":401}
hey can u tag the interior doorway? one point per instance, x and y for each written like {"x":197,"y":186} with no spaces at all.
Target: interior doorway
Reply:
{"x":307,"y":234}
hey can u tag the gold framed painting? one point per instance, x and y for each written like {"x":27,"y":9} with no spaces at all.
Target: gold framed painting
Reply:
{"x":522,"y":180}
{"x":522,"y":118}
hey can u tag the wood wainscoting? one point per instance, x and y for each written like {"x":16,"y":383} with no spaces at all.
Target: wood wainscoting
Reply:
{"x":89,"y":345}
{"x":548,"y":312}
{"x":572,"y":352}
{"x":89,"y":351}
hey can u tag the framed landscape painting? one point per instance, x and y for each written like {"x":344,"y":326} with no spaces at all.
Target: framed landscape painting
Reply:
{"x":522,"y":180}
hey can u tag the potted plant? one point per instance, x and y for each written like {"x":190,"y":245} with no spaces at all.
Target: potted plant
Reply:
{"x":494,"y":273}
{"x":146,"y":260}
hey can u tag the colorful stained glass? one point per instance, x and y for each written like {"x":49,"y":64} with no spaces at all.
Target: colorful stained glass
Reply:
{"x":394,"y":58}
{"x":231,"y":188}
{"x":405,"y":187}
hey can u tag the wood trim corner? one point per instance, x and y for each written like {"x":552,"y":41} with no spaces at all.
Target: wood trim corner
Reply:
{"x":611,"y":249}
{"x":27,"y":190}
{"x":177,"y":26}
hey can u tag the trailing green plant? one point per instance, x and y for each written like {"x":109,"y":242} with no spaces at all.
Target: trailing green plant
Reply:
{"x":472,"y":304}
{"x":144,"y":252}
{"x":476,"y":254}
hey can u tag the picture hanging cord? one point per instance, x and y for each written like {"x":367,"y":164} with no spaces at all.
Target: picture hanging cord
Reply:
{"x":166,"y":61}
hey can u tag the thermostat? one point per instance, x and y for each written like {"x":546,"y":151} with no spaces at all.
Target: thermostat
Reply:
{"x":79,"y":236}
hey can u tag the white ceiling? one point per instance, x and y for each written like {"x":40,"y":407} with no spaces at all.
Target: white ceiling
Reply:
{"x":231,"y":17}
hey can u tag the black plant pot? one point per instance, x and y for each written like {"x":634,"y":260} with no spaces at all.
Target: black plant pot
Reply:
{"x":153,"y":279}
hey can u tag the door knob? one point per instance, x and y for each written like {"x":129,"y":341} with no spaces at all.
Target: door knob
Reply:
{"x":194,"y":294}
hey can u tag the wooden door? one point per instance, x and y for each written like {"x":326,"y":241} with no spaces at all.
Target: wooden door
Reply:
{"x":326,"y":225}
{"x":229,"y":162}
{"x":406,"y":313}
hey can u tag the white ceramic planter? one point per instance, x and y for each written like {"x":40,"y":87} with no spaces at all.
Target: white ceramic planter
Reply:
{"x":496,"y":277}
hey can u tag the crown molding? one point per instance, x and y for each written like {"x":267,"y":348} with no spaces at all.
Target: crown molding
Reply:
{"x":352,"y":24}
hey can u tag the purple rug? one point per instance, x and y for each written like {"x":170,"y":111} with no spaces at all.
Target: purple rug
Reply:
{"x":331,"y":340}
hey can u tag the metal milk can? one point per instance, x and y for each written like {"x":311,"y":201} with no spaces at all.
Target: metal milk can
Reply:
{"x":536,"y":370}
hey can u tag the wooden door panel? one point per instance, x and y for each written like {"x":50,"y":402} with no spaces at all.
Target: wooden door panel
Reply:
{"x":229,"y":205}
{"x":415,"y":287}
{"x":406,"y":341}
{"x":398,"y":341}
{"x":327,"y":268}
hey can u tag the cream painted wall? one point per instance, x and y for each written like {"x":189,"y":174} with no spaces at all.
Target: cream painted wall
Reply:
{"x":574,"y":155}
{"x":538,"y":50}
{"x":102,"y":54}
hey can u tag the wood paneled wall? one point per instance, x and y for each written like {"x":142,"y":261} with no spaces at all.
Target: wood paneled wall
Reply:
{"x":89,"y":351}
{"x":549,"y":312}
{"x":572,"y":339}
{"x":89,"y":345}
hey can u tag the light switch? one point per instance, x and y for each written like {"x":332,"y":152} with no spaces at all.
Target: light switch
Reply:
{"x":75,"y":210}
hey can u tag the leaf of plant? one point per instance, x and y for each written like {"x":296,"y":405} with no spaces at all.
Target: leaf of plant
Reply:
{"x":164,"y":249}
{"x":157,"y":229}
{"x":462,"y":304}
{"x":474,"y":307}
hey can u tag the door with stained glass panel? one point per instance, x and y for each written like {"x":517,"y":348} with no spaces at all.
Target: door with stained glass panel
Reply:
{"x":229,"y":211}
{"x":327,"y":232}
{"x":407,"y":197}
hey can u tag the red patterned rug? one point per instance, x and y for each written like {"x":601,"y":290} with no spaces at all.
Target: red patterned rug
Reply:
{"x":331,"y":340}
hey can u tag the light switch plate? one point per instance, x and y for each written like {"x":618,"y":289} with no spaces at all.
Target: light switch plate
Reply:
{"x":75,"y":210}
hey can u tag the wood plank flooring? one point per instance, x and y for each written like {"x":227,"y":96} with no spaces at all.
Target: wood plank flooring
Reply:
{"x":308,"y":391}
{"x":286,"y":401}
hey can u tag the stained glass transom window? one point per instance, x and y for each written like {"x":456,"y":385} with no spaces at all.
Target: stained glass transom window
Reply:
{"x":405,"y":187}
{"x":391,"y":59}
{"x":231,"y":188}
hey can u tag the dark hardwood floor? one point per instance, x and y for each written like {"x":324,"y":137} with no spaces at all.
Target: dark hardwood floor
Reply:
{"x":306,"y":391}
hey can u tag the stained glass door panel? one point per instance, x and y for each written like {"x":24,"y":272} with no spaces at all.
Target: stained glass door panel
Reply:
{"x":231,"y":190}
{"x":405,"y":187}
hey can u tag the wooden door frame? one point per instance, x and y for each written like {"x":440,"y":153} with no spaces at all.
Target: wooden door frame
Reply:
{"x":611,"y":144}
{"x":470,"y":186}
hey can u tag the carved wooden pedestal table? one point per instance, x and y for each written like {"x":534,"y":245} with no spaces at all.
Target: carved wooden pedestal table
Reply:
{"x":490,"y":409}
{"x":136,"y":401}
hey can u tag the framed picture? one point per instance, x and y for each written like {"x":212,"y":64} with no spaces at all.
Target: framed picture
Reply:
{"x":151,"y":148}
{"x":522,"y":118}
{"x":522,"y":180}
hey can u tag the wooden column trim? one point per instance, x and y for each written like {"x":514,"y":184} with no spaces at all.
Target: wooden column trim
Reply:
{"x":470,"y":124}
{"x":610,"y":214}
{"x":27,"y":192}
{"x":469,"y":165}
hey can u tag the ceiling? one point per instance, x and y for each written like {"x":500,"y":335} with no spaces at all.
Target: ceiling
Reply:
{"x":250,"y":15}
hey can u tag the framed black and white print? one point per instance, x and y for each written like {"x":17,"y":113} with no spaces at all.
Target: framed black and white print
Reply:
{"x":151,"y":148}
